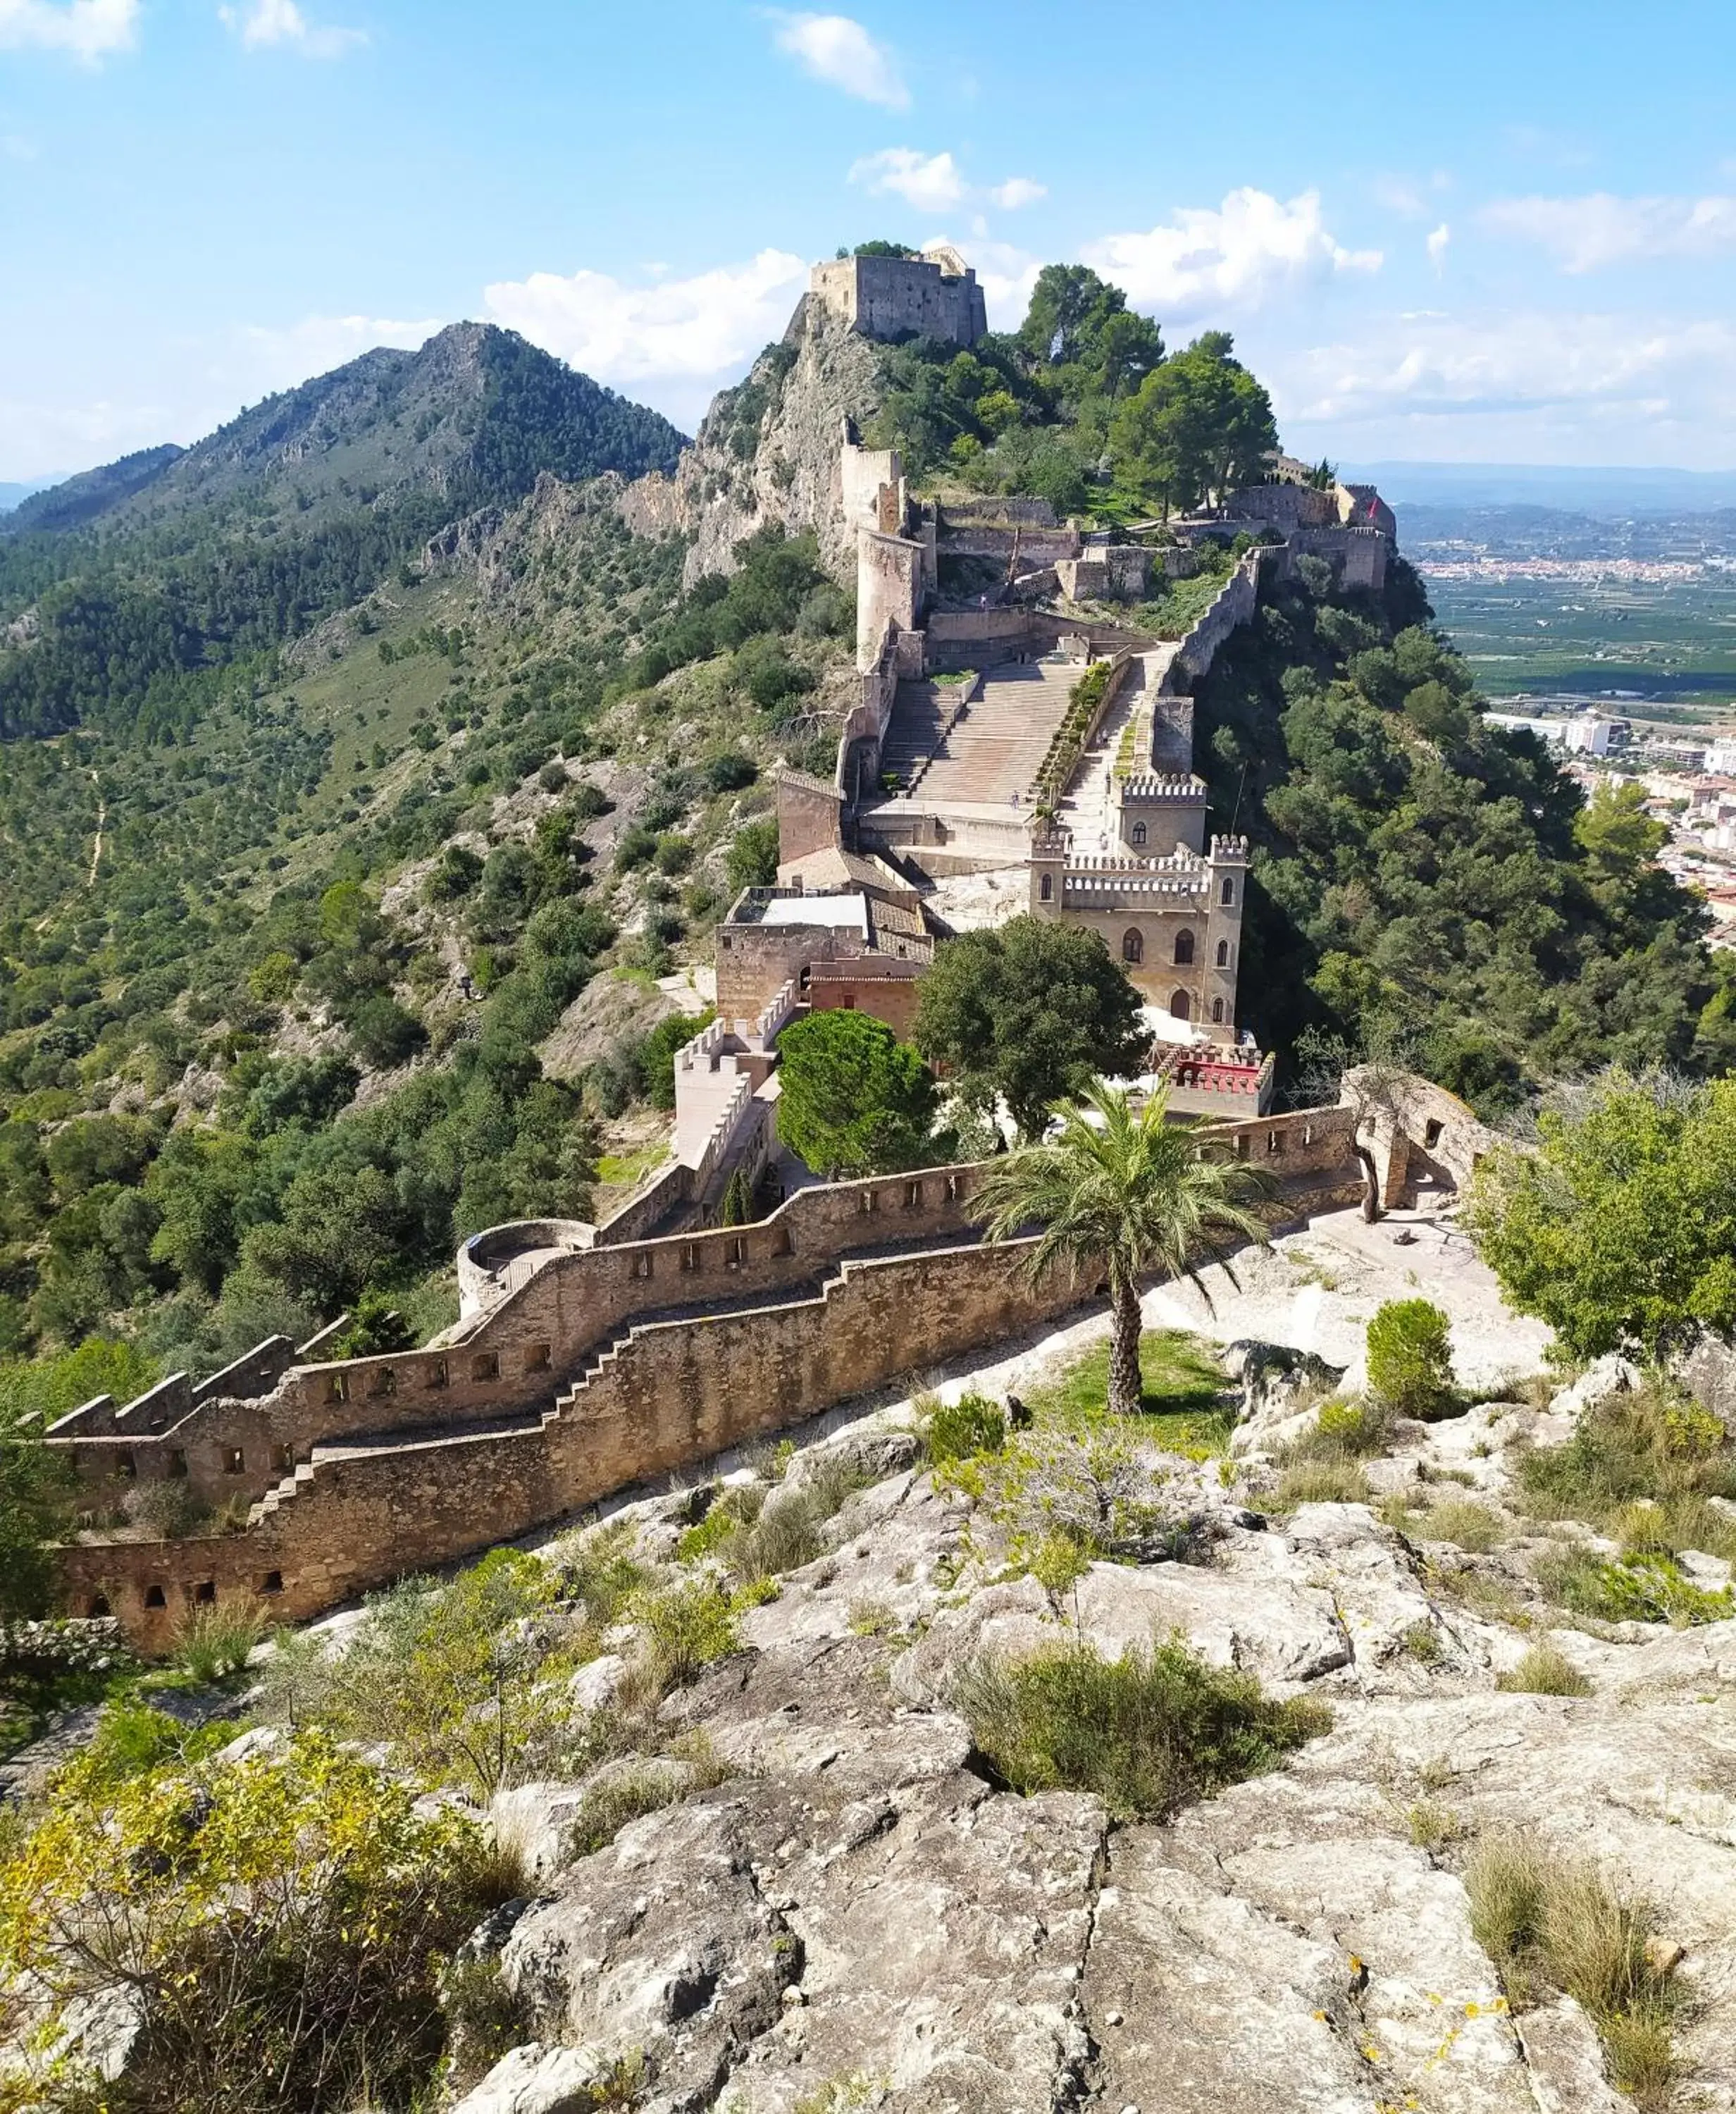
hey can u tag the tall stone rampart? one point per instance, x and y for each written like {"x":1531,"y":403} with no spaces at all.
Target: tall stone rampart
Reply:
{"x":671,"y":1391}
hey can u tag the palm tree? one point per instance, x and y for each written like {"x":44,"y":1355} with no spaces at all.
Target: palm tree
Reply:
{"x":1124,"y":1191}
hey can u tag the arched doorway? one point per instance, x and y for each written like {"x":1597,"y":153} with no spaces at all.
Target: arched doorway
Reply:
{"x":1181,"y":1007}
{"x":1133,"y":946}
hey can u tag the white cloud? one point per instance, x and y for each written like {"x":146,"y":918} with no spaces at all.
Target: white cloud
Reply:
{"x":1530,"y":386}
{"x":89,"y":29}
{"x":1585,"y":234}
{"x":1252,"y":248}
{"x":272,"y":23}
{"x":935,"y":183}
{"x":930,"y":182}
{"x":674,"y":342}
{"x":1437,"y":244}
{"x":1018,"y":191}
{"x":837,"y":49}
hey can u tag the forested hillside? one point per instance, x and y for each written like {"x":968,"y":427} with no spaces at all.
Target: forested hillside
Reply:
{"x":131,"y":589}
{"x":1432,"y":887}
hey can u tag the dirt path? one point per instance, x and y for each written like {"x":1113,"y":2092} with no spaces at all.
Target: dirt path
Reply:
{"x":96,"y":849}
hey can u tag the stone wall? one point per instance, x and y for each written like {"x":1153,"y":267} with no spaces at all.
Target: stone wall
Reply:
{"x":676,"y":1392}
{"x":1233,"y":605}
{"x":889,"y":591}
{"x":885,"y":991}
{"x":586,"y":1381}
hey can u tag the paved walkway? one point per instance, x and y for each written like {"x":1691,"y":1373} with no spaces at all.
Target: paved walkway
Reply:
{"x":1086,"y":809}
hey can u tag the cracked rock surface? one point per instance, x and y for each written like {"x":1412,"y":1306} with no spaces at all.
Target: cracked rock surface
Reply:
{"x":858,"y":1915}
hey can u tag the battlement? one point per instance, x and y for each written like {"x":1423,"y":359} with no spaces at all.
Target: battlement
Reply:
{"x":1229,"y":851}
{"x":1149,"y":785}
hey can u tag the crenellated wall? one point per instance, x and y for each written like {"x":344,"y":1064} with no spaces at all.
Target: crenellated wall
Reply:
{"x":762,"y":1333}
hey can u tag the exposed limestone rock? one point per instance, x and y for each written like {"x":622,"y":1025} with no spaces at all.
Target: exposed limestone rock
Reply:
{"x":769,"y":452}
{"x":856,"y":1904}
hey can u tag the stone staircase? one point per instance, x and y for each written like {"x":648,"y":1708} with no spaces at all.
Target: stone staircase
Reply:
{"x":599,"y":1359}
{"x":984,"y":752}
{"x":1085,"y":808}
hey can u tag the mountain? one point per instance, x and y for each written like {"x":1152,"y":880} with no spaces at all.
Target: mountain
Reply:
{"x":15,"y":495}
{"x":472,"y":417}
{"x":136,"y":580}
{"x":93,"y":493}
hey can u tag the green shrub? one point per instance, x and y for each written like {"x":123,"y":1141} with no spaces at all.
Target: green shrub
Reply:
{"x":287,"y":1913}
{"x":1544,"y":1670}
{"x":688,"y":1626}
{"x":1148,"y":1732}
{"x":1410,"y":1358}
{"x":449,"y":1679}
{"x":962,"y":1430}
{"x":1633,"y":1589}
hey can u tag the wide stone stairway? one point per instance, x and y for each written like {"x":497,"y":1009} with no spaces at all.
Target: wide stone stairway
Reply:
{"x":984,"y":752}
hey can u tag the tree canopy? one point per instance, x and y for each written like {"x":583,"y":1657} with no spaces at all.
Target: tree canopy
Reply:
{"x":1030,"y":1012}
{"x":1621,"y":1230}
{"x":853,"y":1099}
{"x":1425,"y":884}
{"x":1199,"y":427}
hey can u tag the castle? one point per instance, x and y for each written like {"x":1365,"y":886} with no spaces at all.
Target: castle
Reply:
{"x":1025,"y":736}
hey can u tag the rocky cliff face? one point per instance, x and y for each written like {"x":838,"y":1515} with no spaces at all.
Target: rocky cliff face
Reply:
{"x":768,"y":450}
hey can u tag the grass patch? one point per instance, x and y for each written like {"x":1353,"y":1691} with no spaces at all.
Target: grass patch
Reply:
{"x":1181,"y":1403}
{"x":1343,"y":1431}
{"x":1544,"y":1670}
{"x":1632,"y":1588}
{"x":1549,"y":1921}
{"x":214,"y":1643}
{"x":636,"y":1788}
{"x":1640,"y":1468}
{"x":1465,"y":1524}
{"x":1320,"y":1483}
{"x":1149,"y":1732}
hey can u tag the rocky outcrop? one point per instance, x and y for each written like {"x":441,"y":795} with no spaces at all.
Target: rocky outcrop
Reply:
{"x":768,"y":450}
{"x":860,"y":1916}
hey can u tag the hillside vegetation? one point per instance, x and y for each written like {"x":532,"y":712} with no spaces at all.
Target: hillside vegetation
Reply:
{"x":1427,"y":885}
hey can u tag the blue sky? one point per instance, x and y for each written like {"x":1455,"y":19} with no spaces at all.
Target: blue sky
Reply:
{"x":1471,"y":233}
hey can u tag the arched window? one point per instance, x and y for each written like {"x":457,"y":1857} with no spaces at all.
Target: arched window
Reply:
{"x":1133,"y":947}
{"x":1229,"y":892}
{"x":1138,"y":833}
{"x":1218,"y":1012}
{"x":1181,"y":1007}
{"x":1223,"y":954}
{"x":1184,"y":949}
{"x":1046,"y":888}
